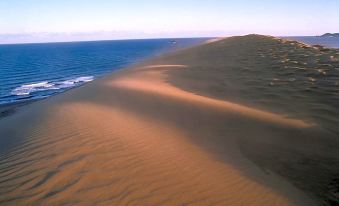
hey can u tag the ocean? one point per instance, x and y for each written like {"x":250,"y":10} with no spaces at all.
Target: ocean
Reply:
{"x":35,"y":71}
{"x":331,"y":42}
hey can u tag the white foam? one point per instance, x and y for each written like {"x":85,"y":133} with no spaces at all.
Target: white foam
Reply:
{"x":72,"y":82}
{"x":27,"y":89}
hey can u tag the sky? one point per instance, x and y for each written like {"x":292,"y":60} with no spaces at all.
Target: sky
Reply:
{"x":75,"y":20}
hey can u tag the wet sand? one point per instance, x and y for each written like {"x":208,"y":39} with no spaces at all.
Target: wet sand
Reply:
{"x":229,"y":122}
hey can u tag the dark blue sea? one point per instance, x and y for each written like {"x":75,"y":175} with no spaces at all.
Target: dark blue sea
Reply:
{"x":35,"y":71}
{"x":332,"y":42}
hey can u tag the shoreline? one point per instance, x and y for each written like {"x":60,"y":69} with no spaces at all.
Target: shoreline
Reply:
{"x":7,"y":109}
{"x":181,"y":115}
{"x":10,"y":107}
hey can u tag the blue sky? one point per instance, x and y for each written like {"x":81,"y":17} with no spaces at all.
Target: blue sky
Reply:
{"x":68,"y":20}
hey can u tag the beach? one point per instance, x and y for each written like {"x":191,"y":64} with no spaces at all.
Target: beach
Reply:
{"x":248,"y":120}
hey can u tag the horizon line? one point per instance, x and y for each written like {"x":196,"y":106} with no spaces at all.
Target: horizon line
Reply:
{"x":146,"y":38}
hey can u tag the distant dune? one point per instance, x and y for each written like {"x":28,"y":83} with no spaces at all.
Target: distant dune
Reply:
{"x":330,"y":35}
{"x":246,"y":120}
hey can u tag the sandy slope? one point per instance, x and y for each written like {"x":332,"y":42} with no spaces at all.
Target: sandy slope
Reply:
{"x":135,"y":138}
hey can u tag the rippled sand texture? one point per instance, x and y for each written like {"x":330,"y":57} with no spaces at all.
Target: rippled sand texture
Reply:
{"x":154,"y":135}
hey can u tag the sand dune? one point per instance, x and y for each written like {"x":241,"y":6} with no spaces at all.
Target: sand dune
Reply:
{"x":87,"y":153}
{"x":143,"y":136}
{"x":154,"y":81}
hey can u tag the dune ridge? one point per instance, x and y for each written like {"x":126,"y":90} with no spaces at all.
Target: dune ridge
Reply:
{"x":145,"y":82}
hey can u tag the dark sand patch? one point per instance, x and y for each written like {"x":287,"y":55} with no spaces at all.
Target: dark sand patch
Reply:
{"x":287,"y":77}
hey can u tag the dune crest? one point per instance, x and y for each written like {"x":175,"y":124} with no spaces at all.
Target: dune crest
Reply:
{"x":154,"y":81}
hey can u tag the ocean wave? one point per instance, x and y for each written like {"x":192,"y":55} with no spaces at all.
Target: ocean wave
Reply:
{"x":27,"y":89}
{"x":72,"y":82}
